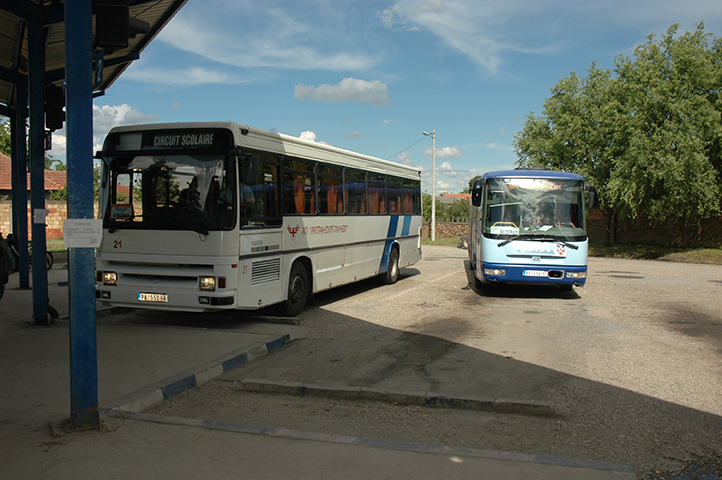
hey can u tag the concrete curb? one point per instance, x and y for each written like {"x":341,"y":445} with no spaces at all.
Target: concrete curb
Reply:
{"x":428,"y":399}
{"x":170,"y":387}
{"x":373,"y":442}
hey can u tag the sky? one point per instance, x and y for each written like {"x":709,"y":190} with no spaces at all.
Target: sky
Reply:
{"x":370,"y":76}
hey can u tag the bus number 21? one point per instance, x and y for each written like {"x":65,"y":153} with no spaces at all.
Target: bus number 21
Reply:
{"x":117,"y":244}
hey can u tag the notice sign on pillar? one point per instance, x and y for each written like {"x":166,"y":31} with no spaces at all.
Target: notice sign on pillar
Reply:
{"x":39,"y":215}
{"x":82,"y":233}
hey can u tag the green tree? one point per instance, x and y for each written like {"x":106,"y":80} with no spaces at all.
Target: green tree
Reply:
{"x":5,"y":137}
{"x":670,"y":170}
{"x":582,"y":130}
{"x":471,"y":183}
{"x":647,"y":134}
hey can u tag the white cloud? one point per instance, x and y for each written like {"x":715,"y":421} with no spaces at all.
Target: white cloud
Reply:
{"x":108,"y":116}
{"x":310,"y":136}
{"x":104,"y":118}
{"x":348,"y":90}
{"x":445,"y":152}
{"x":183,"y":77}
{"x":266,"y":36}
{"x":505,"y":147}
{"x":487,"y":32}
{"x":443,"y":186}
{"x":353,"y":134}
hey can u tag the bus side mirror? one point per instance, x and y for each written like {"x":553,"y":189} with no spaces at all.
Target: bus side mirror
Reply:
{"x":476,"y":193}
{"x":593,"y":197}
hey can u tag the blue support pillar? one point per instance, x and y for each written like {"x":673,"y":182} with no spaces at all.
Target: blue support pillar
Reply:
{"x":81,"y":261}
{"x":20,"y":182}
{"x":36,"y":73}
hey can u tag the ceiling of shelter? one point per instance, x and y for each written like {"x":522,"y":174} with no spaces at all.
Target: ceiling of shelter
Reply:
{"x":14,"y":18}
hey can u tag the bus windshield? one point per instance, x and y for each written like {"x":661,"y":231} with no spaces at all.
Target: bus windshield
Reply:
{"x":534,"y":207}
{"x":171,"y":192}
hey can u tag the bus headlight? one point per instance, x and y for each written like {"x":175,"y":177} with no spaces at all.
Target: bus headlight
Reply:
{"x":576,"y":275}
{"x":208,"y":283}
{"x":497,"y":272}
{"x":110,"y":278}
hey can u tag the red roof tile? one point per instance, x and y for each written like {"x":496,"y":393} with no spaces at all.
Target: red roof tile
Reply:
{"x":54,"y":179}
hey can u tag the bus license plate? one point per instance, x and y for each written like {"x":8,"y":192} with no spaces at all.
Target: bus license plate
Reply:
{"x":153,"y":297}
{"x":535,"y":273}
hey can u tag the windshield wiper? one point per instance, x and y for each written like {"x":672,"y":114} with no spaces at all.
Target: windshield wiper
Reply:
{"x":118,"y":225}
{"x":539,"y":238}
{"x":200,"y":230}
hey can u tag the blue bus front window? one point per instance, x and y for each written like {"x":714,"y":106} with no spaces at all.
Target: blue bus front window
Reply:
{"x":530,"y":206}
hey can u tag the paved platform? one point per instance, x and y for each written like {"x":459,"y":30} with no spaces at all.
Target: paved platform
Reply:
{"x":139,"y":365}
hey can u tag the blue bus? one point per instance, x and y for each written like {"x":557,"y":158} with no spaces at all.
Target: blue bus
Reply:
{"x":528,"y":226}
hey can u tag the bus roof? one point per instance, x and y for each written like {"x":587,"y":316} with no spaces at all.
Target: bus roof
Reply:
{"x":532,"y":173}
{"x":284,"y":144}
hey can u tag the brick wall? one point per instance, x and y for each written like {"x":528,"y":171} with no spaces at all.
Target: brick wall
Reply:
{"x":54,"y":221}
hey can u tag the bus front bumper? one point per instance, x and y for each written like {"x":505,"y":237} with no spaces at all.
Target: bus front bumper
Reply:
{"x":537,"y":274}
{"x":165,"y":300}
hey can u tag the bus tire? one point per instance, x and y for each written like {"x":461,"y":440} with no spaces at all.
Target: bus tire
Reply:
{"x":297,"y":290}
{"x":392,"y":272}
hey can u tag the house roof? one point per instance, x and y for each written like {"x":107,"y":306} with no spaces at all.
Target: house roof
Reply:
{"x":54,"y":179}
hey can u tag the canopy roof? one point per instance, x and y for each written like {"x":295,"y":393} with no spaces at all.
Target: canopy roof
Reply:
{"x":15,"y":16}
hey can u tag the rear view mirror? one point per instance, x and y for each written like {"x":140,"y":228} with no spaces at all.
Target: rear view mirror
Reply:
{"x":476,"y":193}
{"x":593,"y":197}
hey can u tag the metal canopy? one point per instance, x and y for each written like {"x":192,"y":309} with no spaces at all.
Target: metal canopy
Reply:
{"x":14,"y":17}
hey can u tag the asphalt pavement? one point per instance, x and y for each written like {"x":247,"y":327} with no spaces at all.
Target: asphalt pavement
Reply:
{"x":141,"y":365}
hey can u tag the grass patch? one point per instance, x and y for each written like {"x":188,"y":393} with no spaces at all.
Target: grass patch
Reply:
{"x":56,"y":245}
{"x":653,"y":252}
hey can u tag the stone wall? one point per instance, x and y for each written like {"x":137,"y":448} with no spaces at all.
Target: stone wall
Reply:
{"x":629,"y":232}
{"x":446,"y":229}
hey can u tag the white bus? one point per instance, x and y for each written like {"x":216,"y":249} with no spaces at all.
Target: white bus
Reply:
{"x":214,"y":216}
{"x":529,"y":226}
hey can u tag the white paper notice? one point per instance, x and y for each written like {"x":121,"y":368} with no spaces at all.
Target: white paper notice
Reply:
{"x":82,"y":233}
{"x":39,"y":215}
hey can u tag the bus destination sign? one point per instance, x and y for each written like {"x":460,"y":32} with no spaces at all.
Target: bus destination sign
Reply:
{"x":183,"y":139}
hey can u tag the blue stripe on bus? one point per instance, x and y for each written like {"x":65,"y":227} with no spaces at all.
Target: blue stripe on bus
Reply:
{"x":390,"y":235}
{"x":407,"y":225}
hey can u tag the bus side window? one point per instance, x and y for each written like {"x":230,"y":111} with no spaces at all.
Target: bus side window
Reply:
{"x":377,"y":194}
{"x":330,"y":189}
{"x":409,"y":190}
{"x":299,"y":186}
{"x":393,"y":194}
{"x":355,"y":191}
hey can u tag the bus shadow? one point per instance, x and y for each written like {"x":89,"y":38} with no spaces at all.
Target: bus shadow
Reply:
{"x":593,"y":421}
{"x":494,"y":290}
{"x":335,"y":294}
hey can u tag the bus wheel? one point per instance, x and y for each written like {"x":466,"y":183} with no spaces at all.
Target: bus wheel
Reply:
{"x":297,"y":290}
{"x":392,"y":272}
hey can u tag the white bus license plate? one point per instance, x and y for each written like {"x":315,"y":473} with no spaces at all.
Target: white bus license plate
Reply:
{"x":535,"y":273}
{"x":153,"y":297}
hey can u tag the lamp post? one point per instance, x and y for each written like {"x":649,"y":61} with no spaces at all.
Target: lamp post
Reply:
{"x":433,"y":182}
